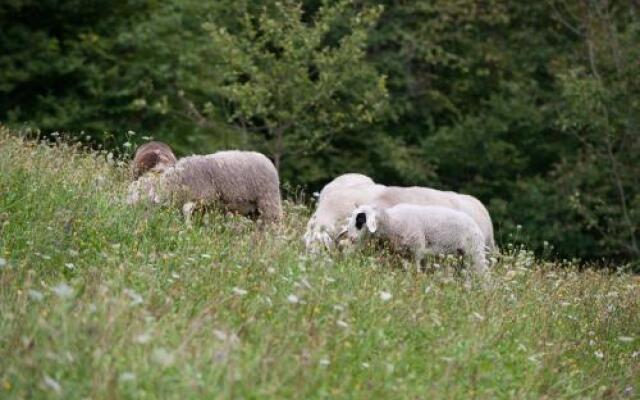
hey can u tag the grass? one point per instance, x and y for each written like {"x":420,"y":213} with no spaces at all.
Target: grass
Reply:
{"x":104,"y":301}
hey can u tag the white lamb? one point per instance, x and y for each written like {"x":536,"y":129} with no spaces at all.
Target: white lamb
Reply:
{"x":420,"y":231}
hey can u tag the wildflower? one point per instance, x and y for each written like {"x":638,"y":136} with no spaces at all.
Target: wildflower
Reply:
{"x":35,"y":295}
{"x":70,"y":266}
{"x":271,"y":270}
{"x":127,"y":377}
{"x":599,"y":354}
{"x":238,"y":291}
{"x":162,"y":357}
{"x":385,"y":296}
{"x":63,"y":290}
{"x":324,"y":362}
{"x":52,"y":384}
{"x":220,"y":335}
{"x":342,"y":324}
{"x":626,"y":339}
{"x":207,"y":256}
{"x":135,"y":297}
{"x":142,"y":338}
{"x":477,"y":316}
{"x":365,"y":365}
{"x":293,"y":299}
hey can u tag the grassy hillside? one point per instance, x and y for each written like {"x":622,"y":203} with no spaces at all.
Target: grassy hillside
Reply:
{"x":101,"y":300}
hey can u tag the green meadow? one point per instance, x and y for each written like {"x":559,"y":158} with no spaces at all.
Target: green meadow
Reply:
{"x":102,"y":300}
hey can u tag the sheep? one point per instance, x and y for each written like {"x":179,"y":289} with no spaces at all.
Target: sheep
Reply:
{"x":239,"y":181}
{"x":152,"y":156}
{"x":335,"y":206}
{"x":420,"y":231}
{"x":423,"y":196}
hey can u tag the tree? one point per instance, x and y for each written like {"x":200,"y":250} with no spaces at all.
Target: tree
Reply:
{"x":293,"y":79}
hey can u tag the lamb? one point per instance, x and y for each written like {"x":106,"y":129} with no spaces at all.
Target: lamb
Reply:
{"x":421,"y":231}
{"x":423,"y":196}
{"x":238,"y":181}
{"x":336,"y":204}
{"x":152,"y":156}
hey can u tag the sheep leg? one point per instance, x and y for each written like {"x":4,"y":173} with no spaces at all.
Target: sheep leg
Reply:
{"x":187,"y":212}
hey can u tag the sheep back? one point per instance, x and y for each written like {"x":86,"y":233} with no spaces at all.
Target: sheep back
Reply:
{"x":240,"y":181}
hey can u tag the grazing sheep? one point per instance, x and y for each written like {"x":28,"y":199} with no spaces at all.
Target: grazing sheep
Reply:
{"x":152,"y":156}
{"x":238,"y":181}
{"x":336,"y":204}
{"x":421,"y":231}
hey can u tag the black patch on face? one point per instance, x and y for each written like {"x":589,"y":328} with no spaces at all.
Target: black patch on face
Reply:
{"x":361,"y":219}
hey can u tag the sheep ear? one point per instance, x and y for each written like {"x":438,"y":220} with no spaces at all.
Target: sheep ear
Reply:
{"x":372,"y":224}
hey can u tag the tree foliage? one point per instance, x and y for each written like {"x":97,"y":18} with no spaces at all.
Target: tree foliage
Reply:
{"x":532,"y":107}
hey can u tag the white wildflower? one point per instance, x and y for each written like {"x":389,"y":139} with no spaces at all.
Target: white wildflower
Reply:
{"x":626,"y":339}
{"x":135,"y":297}
{"x":238,"y":291}
{"x":293,"y":299}
{"x":63,"y":290}
{"x":342,"y":324}
{"x":324,"y":362}
{"x":52,"y":384}
{"x":70,"y":266}
{"x":204,"y":255}
{"x":365,"y":365}
{"x":127,"y":377}
{"x":220,"y":335}
{"x":477,"y":316}
{"x":35,"y":295}
{"x":385,"y":296}
{"x":271,"y":270}
{"x":162,"y":357}
{"x":127,"y":144}
{"x":143,"y":338}
{"x":599,"y":354}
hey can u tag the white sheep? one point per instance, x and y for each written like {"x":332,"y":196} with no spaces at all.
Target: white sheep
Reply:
{"x":337,"y":202}
{"x":420,"y":231}
{"x":238,"y":181}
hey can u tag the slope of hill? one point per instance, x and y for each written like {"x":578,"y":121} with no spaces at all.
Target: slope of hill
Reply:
{"x":101,"y":300}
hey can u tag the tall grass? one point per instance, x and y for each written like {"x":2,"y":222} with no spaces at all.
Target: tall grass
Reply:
{"x":101,"y":300}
